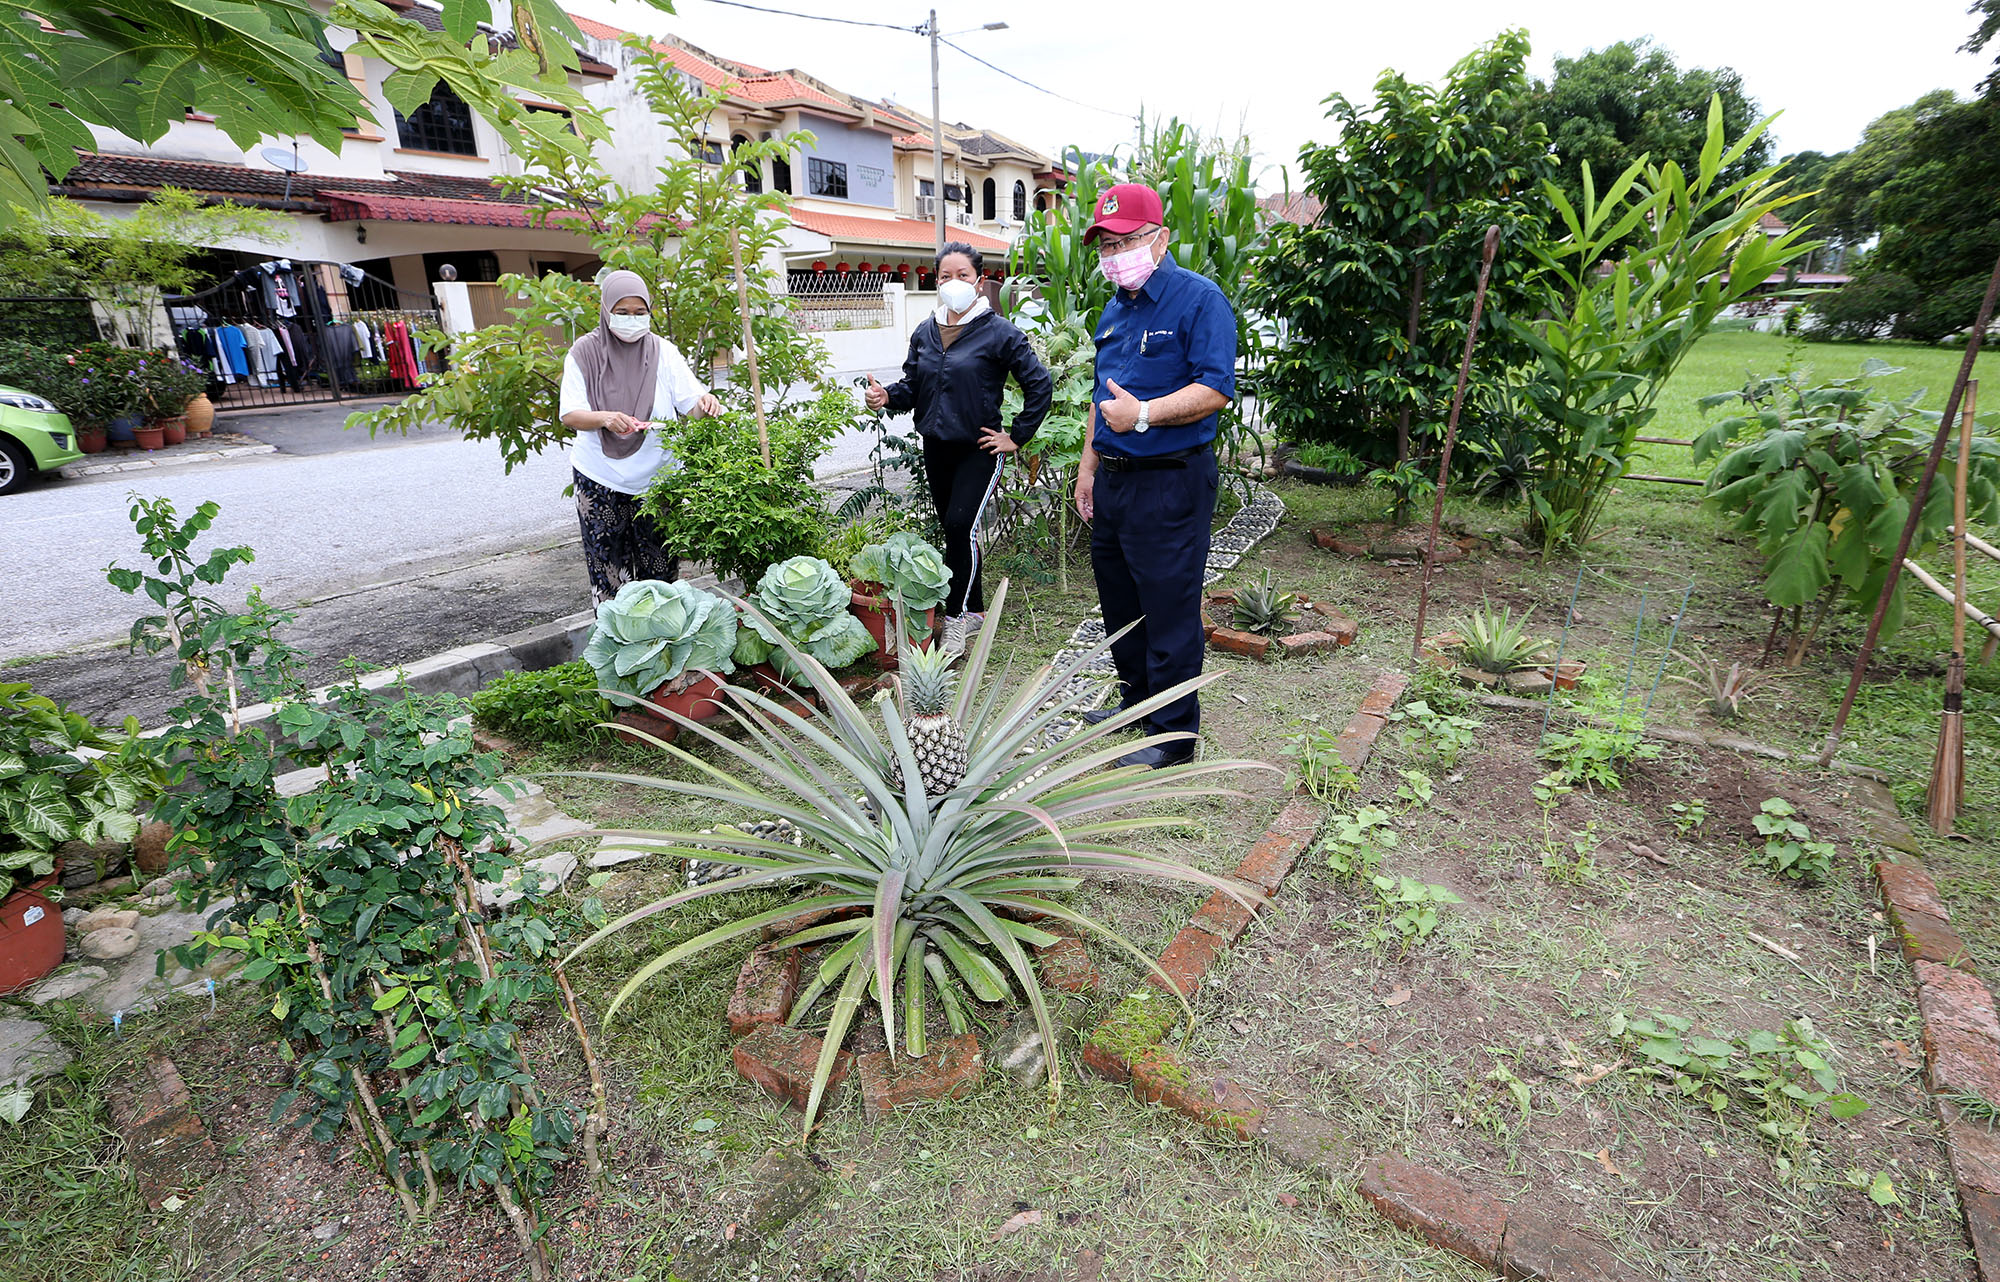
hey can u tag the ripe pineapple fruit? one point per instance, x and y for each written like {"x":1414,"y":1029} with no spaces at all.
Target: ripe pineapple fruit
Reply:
{"x":936,"y":738}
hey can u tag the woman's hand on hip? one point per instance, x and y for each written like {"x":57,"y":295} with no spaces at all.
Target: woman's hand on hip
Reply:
{"x":996,"y":442}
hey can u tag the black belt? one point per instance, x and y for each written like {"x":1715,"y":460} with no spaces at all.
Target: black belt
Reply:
{"x":1150,"y":462}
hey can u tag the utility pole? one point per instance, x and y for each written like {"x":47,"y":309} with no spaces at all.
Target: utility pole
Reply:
{"x":937,"y":140}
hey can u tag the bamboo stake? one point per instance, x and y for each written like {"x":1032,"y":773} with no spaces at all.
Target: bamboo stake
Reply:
{"x":1944,"y":594}
{"x":1917,"y":500}
{"x":597,"y":1122}
{"x":1451,"y":430}
{"x":1976,"y":543}
{"x":750,"y":346}
{"x":1947,"y":785}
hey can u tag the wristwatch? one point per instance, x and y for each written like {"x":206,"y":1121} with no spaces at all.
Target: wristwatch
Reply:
{"x":1145,"y":417}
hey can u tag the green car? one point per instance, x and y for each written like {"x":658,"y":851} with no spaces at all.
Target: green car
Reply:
{"x":34,"y":437}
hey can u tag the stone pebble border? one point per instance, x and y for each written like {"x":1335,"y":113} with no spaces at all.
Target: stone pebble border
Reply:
{"x":1961,"y":1034}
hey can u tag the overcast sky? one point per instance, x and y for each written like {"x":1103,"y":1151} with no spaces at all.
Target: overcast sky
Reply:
{"x":1265,"y":65}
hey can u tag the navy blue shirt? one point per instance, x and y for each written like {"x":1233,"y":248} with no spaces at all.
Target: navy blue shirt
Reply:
{"x":1178,"y":329}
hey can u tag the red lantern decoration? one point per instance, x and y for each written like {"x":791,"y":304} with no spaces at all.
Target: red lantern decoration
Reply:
{"x":819,"y":265}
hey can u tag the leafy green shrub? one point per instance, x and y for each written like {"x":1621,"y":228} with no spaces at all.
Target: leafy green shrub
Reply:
{"x":556,"y":705}
{"x":1405,"y":911}
{"x":1320,"y":768}
{"x":1329,"y":457}
{"x":722,"y":505}
{"x":1441,"y":736}
{"x":652,"y":632}
{"x":1608,"y":731}
{"x":1355,"y":843}
{"x":1823,"y":484}
{"x":1864,"y":308}
{"x":802,"y":601}
{"x":1789,"y":850}
{"x":63,"y":779}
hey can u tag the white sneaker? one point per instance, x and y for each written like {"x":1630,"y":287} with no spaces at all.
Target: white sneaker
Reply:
{"x":955,"y":629}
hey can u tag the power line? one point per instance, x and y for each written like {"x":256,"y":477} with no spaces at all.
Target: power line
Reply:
{"x":817,"y":17}
{"x":1122,"y":115}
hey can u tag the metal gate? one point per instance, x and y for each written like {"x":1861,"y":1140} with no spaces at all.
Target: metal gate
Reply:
{"x":287,"y":332}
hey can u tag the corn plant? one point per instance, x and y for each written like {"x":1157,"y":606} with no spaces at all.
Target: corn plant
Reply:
{"x":925,"y":889}
{"x":1607,"y":343}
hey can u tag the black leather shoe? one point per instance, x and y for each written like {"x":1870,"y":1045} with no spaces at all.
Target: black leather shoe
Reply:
{"x":1098,"y":716}
{"x":1159,"y":756}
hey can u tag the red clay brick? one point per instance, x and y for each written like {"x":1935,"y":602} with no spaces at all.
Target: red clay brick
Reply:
{"x":1306,"y":643}
{"x":781,"y":1060}
{"x":1357,"y":741}
{"x":1342,"y":629}
{"x":1908,"y":885}
{"x":170,"y":1150}
{"x":645,"y":723}
{"x":1381,"y":697}
{"x":1066,"y":963}
{"x":1927,"y":938}
{"x":1436,"y":1207}
{"x":1535,"y":1249}
{"x":1271,"y":858}
{"x":949,"y":1070}
{"x":764,"y":989}
{"x":1961,"y":1032}
{"x":1222,"y":916}
{"x":1190,"y":955}
{"x":1244,"y":643}
{"x":1982,"y":1223}
{"x":1974,"y":1147}
{"x":1160,"y":1077}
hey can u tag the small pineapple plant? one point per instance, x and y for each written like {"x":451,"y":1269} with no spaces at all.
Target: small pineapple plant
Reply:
{"x":1494,"y":641}
{"x":1262,"y":609}
{"x":928,"y":685}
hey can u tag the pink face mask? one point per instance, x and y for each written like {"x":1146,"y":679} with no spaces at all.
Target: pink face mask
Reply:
{"x":1131,"y":269}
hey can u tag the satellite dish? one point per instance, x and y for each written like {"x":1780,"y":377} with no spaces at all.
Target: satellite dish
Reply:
{"x":280,"y":158}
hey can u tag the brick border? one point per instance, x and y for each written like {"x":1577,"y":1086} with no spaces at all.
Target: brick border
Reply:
{"x":1961,"y":1034}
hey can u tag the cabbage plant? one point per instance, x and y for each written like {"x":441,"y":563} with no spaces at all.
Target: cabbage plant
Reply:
{"x":804,"y":601}
{"x":652,"y":632}
{"x":911,"y":569}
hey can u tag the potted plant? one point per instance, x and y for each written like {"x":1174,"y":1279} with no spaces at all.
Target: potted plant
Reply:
{"x":902,"y":575}
{"x":98,"y":387}
{"x":170,"y":383}
{"x":665,"y":644}
{"x":803,"y":601}
{"x":1322,"y":463}
{"x":52,"y":791}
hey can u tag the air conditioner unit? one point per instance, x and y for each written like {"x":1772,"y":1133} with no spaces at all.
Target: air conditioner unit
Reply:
{"x":927,"y":207}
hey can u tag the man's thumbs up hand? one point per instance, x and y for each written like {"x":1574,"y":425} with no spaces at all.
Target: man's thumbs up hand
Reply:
{"x":877,"y":395}
{"x":1121,"y":411}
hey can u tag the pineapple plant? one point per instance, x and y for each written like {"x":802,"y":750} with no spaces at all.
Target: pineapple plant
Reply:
{"x":1262,"y":609}
{"x":936,"y":739}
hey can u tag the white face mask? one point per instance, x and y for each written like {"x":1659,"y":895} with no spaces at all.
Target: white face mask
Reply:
{"x":631,"y":328}
{"x":958,"y":295}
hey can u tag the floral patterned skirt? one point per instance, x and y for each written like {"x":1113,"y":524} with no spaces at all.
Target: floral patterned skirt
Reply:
{"x":620,"y":543}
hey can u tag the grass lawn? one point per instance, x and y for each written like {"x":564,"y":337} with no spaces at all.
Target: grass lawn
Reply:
{"x":1560,"y":927}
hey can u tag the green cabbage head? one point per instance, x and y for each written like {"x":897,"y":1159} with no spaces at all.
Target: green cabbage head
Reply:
{"x":652,"y":632}
{"x":807,"y":600}
{"x":912,"y":570}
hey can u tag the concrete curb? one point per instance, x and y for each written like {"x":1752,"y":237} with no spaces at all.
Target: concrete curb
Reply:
{"x":77,"y":471}
{"x":1961,"y":1033}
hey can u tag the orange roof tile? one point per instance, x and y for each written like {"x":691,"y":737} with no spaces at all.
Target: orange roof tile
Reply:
{"x":905,"y":233}
{"x":595,"y":30}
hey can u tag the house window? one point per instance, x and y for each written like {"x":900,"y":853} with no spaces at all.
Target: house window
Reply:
{"x":988,"y":200}
{"x":1020,"y":202}
{"x":968,"y":199}
{"x":826,"y":178}
{"x":554,"y":111}
{"x":442,"y":124}
{"x":476,"y":265}
{"x":781,"y":175}
{"x":953,"y":194}
{"x":753,"y":175}
{"x":707,"y":152}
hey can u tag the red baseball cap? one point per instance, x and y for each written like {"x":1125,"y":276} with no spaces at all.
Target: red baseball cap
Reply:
{"x":1124,"y":209}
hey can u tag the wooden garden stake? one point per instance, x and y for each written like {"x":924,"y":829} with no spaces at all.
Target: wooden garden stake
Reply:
{"x":1947,"y":791}
{"x":1451,"y":432}
{"x":750,"y":346}
{"x":1917,"y":500}
{"x":597,"y":1121}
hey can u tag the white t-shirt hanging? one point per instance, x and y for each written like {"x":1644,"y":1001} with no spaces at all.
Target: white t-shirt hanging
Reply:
{"x":676,"y":388}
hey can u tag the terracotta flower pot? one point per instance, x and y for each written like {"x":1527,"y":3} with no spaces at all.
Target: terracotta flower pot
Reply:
{"x":871,"y":604}
{"x":149,"y":436}
{"x":200,"y":415}
{"x":173,"y":430}
{"x":92,"y":440}
{"x":701,"y":699}
{"x":31,"y":939}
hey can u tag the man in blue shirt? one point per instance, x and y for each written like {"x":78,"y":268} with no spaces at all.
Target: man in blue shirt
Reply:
{"x":1166,"y":365}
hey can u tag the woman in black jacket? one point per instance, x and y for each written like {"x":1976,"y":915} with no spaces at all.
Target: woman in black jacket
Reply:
{"x":953,"y":378}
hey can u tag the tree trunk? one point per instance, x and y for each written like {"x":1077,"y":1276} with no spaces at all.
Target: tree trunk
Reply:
{"x":1412,"y":323}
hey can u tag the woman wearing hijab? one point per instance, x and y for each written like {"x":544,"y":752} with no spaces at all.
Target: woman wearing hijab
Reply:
{"x":617,"y":380}
{"x":953,"y":378}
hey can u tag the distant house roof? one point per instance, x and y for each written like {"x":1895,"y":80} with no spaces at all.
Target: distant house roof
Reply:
{"x":433,"y":20}
{"x":1292,"y":207}
{"x":1771,"y":222}
{"x":900,"y":233}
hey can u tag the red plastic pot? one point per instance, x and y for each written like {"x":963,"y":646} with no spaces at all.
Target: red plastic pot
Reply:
{"x":870,"y":604}
{"x":700,"y":700}
{"x":149,"y":437}
{"x":31,"y":939}
{"x":92,"y":440}
{"x":173,"y":430}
